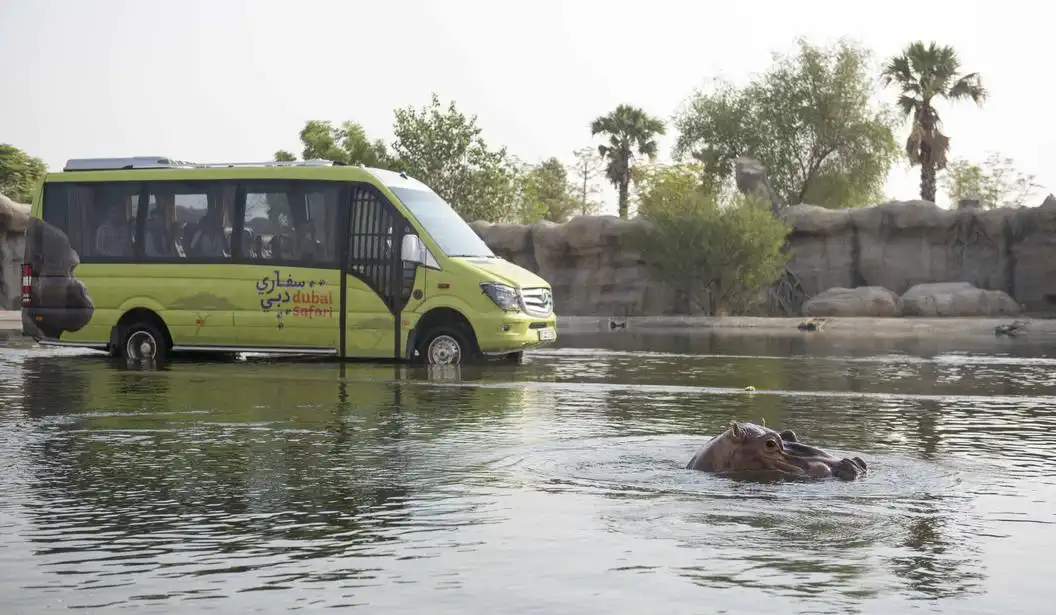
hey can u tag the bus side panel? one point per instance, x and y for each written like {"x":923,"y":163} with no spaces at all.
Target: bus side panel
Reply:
{"x":194,"y":301}
{"x":369,"y":327}
{"x":228,"y":305}
{"x":281,"y":306}
{"x":102,"y":284}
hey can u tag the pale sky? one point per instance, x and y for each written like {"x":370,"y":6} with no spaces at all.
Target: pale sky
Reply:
{"x":235,"y":80}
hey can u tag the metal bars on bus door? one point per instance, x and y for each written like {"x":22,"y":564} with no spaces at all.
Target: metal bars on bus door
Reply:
{"x":373,"y":245}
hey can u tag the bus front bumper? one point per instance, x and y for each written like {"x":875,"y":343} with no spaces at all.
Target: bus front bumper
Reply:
{"x":506,"y":333}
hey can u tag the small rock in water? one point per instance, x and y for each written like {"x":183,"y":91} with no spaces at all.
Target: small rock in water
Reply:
{"x":1011,"y":330}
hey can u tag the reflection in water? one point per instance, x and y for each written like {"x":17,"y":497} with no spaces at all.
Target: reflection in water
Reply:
{"x":935,"y":566}
{"x":526,"y":487}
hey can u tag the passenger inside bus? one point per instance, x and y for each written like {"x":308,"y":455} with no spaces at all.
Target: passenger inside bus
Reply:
{"x":159,"y":239}
{"x":112,"y":237}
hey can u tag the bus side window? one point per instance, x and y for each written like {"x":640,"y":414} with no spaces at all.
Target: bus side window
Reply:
{"x":189,"y":220}
{"x":96,"y":217}
{"x":292,"y":223}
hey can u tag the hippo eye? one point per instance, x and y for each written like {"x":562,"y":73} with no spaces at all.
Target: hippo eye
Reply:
{"x":771,"y":444}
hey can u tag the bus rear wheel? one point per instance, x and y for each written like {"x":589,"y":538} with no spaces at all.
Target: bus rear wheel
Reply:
{"x":143,"y":341}
{"x":446,"y":345}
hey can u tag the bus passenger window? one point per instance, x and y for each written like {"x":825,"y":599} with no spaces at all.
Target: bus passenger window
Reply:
{"x":189,"y":220}
{"x":291,"y":223}
{"x":96,"y":217}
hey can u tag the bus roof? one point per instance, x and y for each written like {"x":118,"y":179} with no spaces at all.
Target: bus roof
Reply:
{"x":157,"y":168}
{"x":164,"y":162}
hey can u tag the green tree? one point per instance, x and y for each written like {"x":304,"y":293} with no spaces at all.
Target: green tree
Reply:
{"x":631,"y":131}
{"x":924,"y":74}
{"x":717,"y":249}
{"x":996,"y":182}
{"x":546,"y":193}
{"x":345,"y":144}
{"x":588,"y":166}
{"x":808,"y":119}
{"x":20,"y":173}
{"x":444,"y":149}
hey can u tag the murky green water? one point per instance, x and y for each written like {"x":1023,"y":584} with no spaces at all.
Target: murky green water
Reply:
{"x":555,"y":486}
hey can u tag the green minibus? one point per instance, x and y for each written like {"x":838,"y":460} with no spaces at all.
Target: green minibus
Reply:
{"x":146,"y":256}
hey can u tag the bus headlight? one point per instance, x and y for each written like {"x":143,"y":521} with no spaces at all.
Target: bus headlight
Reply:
{"x":504,"y":296}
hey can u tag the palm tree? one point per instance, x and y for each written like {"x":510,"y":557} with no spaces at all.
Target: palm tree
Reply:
{"x":630,"y":130}
{"x":925,"y":73}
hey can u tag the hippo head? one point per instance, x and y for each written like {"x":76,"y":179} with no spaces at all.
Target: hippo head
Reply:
{"x":750,"y":449}
{"x":60,"y":301}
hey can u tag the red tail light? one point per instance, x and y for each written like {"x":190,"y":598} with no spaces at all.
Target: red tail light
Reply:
{"x":27,"y":284}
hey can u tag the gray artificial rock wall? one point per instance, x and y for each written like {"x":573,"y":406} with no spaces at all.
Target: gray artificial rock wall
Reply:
{"x":894,"y":245}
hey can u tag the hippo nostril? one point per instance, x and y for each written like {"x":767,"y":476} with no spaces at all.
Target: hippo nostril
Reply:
{"x":860,"y":462}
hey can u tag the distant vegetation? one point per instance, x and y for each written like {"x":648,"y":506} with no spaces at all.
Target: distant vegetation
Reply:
{"x":20,"y":173}
{"x":995,"y":182}
{"x":716,"y":248}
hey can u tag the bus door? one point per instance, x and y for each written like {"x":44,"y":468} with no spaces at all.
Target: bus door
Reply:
{"x":378,"y":285}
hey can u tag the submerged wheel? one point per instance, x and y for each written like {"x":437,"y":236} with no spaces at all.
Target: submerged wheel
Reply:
{"x":143,"y":340}
{"x":446,"y":345}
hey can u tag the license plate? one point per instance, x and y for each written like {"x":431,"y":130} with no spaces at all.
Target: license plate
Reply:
{"x":548,"y":334}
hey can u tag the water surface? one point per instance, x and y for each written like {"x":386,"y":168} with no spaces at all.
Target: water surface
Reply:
{"x":555,"y":486}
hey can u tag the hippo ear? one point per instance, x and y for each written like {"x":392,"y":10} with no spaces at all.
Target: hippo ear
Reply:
{"x":789,"y":436}
{"x":735,"y":427}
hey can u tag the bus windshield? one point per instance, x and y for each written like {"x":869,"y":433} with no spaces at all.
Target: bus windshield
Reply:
{"x":442,"y":222}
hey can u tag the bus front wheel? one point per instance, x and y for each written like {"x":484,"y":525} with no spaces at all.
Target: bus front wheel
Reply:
{"x":446,"y":345}
{"x":143,"y":341}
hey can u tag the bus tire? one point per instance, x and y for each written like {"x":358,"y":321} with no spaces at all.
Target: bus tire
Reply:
{"x":447,"y":344}
{"x":143,"y":340}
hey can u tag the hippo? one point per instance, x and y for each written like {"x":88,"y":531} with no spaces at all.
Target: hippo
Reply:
{"x":747,"y":448}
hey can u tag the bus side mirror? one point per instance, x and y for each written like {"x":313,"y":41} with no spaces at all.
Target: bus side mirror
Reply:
{"x":412,"y":250}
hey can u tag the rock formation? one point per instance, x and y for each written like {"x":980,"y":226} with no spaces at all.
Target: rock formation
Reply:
{"x":895,"y":245}
{"x":751,"y":179}
{"x":588,"y":262}
{"x":956,"y":299}
{"x":900,"y":244}
{"x":861,"y":301}
{"x":927,"y":300}
{"x":14,"y":219}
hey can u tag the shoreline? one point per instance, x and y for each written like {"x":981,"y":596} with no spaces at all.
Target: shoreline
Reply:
{"x":863,"y":326}
{"x":11,"y":325}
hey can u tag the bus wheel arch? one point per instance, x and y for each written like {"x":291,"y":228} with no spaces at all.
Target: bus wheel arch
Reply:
{"x":141,"y":334}
{"x":444,"y":336}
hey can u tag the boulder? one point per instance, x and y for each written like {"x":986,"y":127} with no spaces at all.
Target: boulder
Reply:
{"x":956,"y":299}
{"x":860,"y":301}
